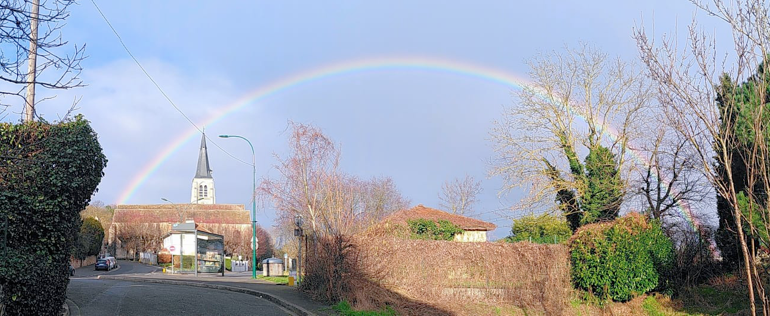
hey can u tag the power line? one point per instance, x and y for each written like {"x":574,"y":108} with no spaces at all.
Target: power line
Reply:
{"x":158,"y":86}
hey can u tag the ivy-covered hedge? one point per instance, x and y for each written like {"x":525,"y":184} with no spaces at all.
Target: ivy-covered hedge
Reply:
{"x":540,"y":229}
{"x":621,"y":259}
{"x":48,"y":173}
{"x":427,"y":229}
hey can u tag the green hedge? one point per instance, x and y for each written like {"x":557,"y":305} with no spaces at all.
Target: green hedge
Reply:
{"x":427,"y":229}
{"x":621,"y":259}
{"x":48,"y":173}
{"x":540,"y":229}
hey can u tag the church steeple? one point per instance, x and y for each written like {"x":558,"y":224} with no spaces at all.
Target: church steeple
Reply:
{"x":203,"y":183}
{"x":203,"y":171}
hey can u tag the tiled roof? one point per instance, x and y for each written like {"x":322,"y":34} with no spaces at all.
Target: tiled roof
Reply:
{"x":170,"y":213}
{"x":420,"y":211}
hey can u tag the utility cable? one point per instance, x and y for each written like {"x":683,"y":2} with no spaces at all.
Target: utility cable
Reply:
{"x":158,"y":86}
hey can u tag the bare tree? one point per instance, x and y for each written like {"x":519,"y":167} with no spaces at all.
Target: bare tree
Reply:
{"x":671,"y":178}
{"x":380,"y":199}
{"x":578,"y":100}
{"x":690,"y":80}
{"x":15,"y":17}
{"x":460,"y":195}
{"x":304,"y":176}
{"x":330,"y":201}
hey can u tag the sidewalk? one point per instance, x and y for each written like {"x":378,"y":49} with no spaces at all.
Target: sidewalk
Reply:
{"x":283,"y":295}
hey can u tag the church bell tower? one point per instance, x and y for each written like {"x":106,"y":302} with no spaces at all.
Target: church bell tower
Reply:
{"x":203,"y":184}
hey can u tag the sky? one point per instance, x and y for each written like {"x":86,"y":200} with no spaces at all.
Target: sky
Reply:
{"x":409,"y":89}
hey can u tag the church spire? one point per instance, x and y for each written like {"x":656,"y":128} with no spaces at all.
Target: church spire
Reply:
{"x":203,"y":184}
{"x":203,"y":171}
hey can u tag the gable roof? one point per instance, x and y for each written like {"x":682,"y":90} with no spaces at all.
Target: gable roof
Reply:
{"x":420,"y":211}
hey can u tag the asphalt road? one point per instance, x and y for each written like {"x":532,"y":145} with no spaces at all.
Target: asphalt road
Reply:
{"x":124,"y":267}
{"x":111,"y":297}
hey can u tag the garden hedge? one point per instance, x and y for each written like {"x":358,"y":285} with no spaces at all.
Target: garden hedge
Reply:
{"x":48,"y":173}
{"x":621,"y":259}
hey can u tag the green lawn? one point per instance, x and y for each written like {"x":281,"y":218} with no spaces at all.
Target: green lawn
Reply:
{"x":344,"y":309}
{"x":275,"y":279}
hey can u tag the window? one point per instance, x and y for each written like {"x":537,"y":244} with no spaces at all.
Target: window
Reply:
{"x":200,"y":191}
{"x":205,"y":191}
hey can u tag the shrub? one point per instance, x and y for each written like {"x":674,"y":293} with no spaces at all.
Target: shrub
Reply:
{"x":542,"y":229}
{"x":621,"y":259}
{"x":164,"y":257}
{"x":330,"y":266}
{"x":48,"y":173}
{"x":89,"y":240}
{"x":427,"y":229}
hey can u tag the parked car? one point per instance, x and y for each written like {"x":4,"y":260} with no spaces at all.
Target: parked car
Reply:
{"x":103,"y":264}
{"x":72,"y":270}
{"x":113,"y":262}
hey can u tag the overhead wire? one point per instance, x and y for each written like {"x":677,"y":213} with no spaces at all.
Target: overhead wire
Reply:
{"x":158,"y":86}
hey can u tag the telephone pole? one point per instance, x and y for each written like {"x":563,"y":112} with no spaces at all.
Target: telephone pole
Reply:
{"x":29,"y":113}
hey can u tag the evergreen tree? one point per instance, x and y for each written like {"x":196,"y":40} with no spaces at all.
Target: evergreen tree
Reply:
{"x":739,"y":106}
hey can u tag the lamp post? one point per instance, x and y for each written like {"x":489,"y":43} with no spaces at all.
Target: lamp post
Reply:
{"x":253,"y":206}
{"x":298,"y":232}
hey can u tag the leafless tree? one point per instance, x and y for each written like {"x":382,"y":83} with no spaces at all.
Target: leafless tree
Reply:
{"x":671,"y":177}
{"x":577,"y":99}
{"x":688,"y":79}
{"x":380,"y":199}
{"x":460,"y":195}
{"x":330,"y":201}
{"x":15,"y":17}
{"x":302,"y":186}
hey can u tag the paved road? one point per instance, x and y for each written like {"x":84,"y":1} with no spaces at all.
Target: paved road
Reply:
{"x":113,"y":297}
{"x":124,"y":267}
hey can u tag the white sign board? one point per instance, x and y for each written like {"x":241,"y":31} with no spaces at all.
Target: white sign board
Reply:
{"x":178,"y":243}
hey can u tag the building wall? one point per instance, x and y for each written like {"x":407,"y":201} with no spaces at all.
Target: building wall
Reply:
{"x":472,"y":236}
{"x":208,"y":197}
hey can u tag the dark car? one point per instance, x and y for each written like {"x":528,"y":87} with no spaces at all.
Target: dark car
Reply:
{"x":103,"y":264}
{"x":72,"y":270}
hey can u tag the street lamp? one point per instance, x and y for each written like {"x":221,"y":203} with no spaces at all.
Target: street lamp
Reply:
{"x":253,"y":206}
{"x":298,"y":232}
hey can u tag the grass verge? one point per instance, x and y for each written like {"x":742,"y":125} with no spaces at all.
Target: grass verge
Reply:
{"x":275,"y":279}
{"x":344,"y":309}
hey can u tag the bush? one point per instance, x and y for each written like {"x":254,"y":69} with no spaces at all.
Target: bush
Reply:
{"x":164,"y":257}
{"x":542,"y":229}
{"x":330,"y":267}
{"x":47,"y":176}
{"x":427,"y":229}
{"x":89,"y":240}
{"x":621,"y":259}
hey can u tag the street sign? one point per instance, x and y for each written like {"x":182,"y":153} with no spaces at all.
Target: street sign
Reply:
{"x":172,"y":248}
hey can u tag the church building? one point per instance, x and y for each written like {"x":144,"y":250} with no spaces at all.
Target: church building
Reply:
{"x":140,"y":228}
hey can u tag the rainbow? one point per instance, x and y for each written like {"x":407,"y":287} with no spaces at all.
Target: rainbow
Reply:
{"x":345,"y":68}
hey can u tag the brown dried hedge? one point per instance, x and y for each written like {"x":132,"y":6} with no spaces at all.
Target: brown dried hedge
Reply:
{"x":530,"y":276}
{"x":429,"y":277}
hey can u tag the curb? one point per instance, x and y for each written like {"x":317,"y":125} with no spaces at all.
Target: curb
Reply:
{"x":273,"y":299}
{"x":72,"y":308}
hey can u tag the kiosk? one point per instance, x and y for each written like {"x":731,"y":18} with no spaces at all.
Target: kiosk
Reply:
{"x":195,"y":250}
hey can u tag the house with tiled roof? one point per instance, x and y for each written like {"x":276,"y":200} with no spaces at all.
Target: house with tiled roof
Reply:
{"x":474,"y":230}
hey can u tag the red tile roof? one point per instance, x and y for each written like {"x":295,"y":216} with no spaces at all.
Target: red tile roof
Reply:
{"x":170,"y":213}
{"x":420,"y":211}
